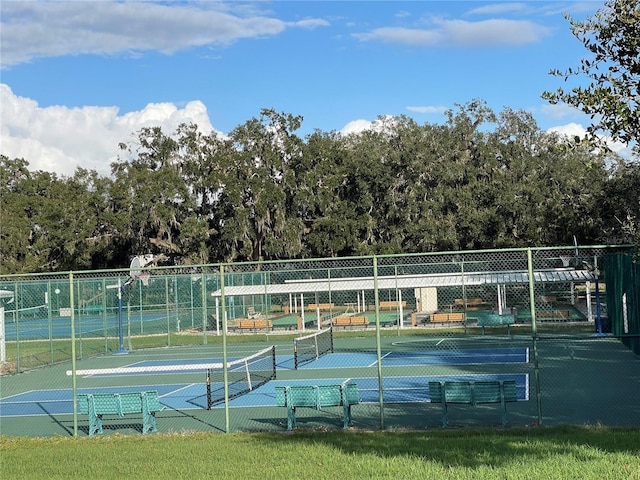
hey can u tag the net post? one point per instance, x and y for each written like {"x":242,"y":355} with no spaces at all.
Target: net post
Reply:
{"x":208,"y":383}
{"x":331,"y":338}
{"x":248,"y":374}
{"x":273,"y":360}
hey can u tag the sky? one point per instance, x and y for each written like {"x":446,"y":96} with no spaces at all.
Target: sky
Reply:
{"x":79,"y":77}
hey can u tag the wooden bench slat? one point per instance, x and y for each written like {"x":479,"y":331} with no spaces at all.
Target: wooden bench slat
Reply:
{"x":254,"y":324}
{"x":321,"y":306}
{"x":392,"y":304}
{"x":347,"y":321}
{"x":470,"y":301}
{"x":448,"y":317}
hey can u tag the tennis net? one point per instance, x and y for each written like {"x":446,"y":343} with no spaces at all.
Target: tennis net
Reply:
{"x":243,"y":375}
{"x":311,"y":347}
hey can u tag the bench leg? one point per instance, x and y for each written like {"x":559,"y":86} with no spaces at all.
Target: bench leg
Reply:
{"x":95,"y":424}
{"x":148,"y":422}
{"x":504,"y":417}
{"x":148,"y":416}
{"x":291,"y":418}
{"x":503,"y":405}
{"x":346,"y":415}
{"x":445,"y":418}
{"x":95,"y":420}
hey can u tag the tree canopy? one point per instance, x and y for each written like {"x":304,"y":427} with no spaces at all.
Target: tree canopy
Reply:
{"x":612,"y":98}
{"x":481,"y":180}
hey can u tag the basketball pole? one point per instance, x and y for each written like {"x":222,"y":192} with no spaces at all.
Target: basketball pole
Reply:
{"x":120,"y":326}
{"x":136,"y":262}
{"x":140,"y":261}
{"x":120,"y":286}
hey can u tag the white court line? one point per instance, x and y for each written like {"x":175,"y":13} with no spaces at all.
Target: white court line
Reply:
{"x":173,"y":392}
{"x":376,"y":362}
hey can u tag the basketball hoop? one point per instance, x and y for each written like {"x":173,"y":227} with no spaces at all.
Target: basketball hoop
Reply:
{"x":137,"y":263}
{"x":144,"y":278}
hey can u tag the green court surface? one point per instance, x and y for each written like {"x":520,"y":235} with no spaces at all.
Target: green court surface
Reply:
{"x":564,"y":379}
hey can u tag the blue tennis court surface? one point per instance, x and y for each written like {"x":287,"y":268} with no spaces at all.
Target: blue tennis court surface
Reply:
{"x":185,"y":396}
{"x":60,"y":327}
{"x":193,"y":396}
{"x":367,"y":359}
{"x":412,"y":358}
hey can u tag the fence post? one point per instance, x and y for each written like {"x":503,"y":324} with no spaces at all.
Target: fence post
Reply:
{"x":378,"y":345}
{"x":225,"y":371}
{"x":74,"y":384}
{"x":534,"y":333}
{"x":204,"y":308}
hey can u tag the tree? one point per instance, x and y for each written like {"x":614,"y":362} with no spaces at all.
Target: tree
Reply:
{"x":48,"y":223}
{"x":620,"y":204}
{"x":150,"y":198}
{"x":260,"y":221}
{"x":329,"y":221}
{"x":612,"y":36}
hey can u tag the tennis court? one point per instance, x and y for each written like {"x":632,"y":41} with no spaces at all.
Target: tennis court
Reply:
{"x":408,"y":364}
{"x":258,"y":390}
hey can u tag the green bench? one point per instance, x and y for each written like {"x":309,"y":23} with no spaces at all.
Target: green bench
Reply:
{"x":473,"y":393}
{"x":496,"y":320}
{"x":98,"y":404}
{"x":93,"y":309}
{"x":317,"y":396}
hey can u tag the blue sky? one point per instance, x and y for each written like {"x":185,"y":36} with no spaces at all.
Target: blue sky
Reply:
{"x":79,"y":77}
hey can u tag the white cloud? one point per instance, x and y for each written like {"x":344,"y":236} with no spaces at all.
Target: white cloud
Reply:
{"x":428,"y":109}
{"x":576,"y":130}
{"x":356,"y":126}
{"x":43,"y":29}
{"x":560,"y":110}
{"x":498,"y":8}
{"x":359,"y":126}
{"x":461,"y":33}
{"x":402,"y":14}
{"x":569,"y":130}
{"x":60,"y":139}
{"x":310,"y":23}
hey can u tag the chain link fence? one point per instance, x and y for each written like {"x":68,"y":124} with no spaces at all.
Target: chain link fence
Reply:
{"x":503,"y":337}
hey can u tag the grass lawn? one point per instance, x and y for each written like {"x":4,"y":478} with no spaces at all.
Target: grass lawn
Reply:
{"x":535,"y":453}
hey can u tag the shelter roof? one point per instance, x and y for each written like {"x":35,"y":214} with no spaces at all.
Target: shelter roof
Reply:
{"x":392,"y":282}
